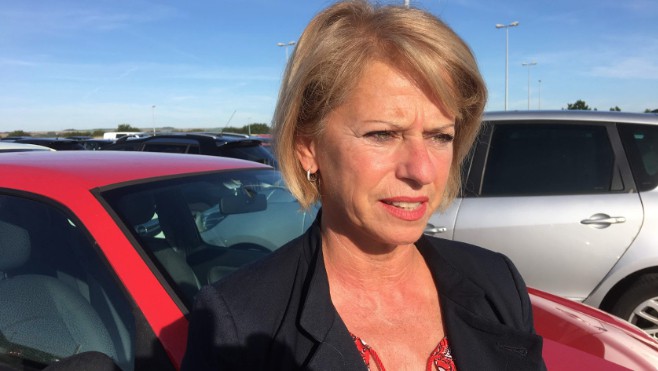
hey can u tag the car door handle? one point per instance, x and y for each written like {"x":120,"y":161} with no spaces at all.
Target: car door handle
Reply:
{"x":603,"y":220}
{"x":431,"y":229}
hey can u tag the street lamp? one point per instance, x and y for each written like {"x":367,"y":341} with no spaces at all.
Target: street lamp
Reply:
{"x":506,"y":27}
{"x":153,"y":118}
{"x":286,"y":45}
{"x":529,"y":64}
{"x":539,"y":99}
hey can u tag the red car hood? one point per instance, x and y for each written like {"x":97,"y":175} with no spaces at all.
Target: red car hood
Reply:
{"x":580,"y":337}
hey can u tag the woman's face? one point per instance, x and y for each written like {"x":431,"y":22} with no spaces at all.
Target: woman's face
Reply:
{"x":383,"y":160}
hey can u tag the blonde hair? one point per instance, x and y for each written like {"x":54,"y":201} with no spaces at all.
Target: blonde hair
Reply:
{"x":330,"y":57}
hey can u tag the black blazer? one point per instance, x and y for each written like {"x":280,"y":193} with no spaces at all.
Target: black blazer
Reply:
{"x":277,"y":314}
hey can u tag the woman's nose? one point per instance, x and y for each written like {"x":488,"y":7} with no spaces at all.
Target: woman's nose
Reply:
{"x":416,"y":162}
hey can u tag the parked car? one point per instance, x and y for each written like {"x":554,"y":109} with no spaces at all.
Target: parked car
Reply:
{"x":104,"y":251}
{"x":92,"y":144}
{"x":266,"y":139}
{"x":114,"y":135}
{"x":13,"y":138}
{"x":226,"y":145}
{"x":570,"y":197}
{"x":21,"y":147}
{"x":59,"y":144}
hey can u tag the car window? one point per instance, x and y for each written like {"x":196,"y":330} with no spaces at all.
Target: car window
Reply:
{"x":168,"y":148}
{"x":547,"y":159}
{"x":66,"y":146}
{"x":57,"y":297}
{"x":255,"y":153}
{"x":197,"y":229}
{"x":641,"y":145}
{"x":123,"y":146}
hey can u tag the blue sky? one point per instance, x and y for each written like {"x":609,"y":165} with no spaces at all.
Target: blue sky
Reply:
{"x":88,"y":64}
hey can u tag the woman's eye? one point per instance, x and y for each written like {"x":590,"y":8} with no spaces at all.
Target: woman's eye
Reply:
{"x":443,"y":138}
{"x":380,"y":135}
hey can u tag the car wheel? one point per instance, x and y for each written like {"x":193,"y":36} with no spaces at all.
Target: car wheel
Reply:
{"x":639,"y":304}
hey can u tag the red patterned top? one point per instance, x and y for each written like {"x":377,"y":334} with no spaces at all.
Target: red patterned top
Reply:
{"x":440,"y":359}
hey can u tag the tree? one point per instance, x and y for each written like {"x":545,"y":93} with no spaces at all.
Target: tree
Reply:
{"x":255,"y":128}
{"x":615,"y":108}
{"x":98,"y":133}
{"x":126,"y":127}
{"x":18,"y":133}
{"x":76,"y":133}
{"x":578,"y":105}
{"x":651,"y":111}
{"x":258,"y":129}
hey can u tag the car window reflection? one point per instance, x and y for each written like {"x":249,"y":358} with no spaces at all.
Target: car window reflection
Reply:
{"x":198,"y":229}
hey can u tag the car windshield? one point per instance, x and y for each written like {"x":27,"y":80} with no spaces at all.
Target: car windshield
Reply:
{"x":199,"y":228}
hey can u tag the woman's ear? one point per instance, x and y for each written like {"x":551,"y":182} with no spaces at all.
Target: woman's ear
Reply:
{"x":306,"y":153}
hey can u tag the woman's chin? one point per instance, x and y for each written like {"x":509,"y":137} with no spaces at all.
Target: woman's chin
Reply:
{"x":400,"y":236}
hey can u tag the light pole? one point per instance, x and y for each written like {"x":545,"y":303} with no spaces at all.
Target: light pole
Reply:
{"x":506,"y":27}
{"x":539,"y":99}
{"x":529,"y":64}
{"x":153,"y":118}
{"x":286,"y":45}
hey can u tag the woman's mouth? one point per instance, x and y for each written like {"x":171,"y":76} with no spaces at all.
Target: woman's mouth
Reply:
{"x":408,"y":209}
{"x":403,"y":205}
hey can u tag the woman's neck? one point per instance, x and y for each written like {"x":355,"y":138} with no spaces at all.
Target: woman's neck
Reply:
{"x":368,"y":267}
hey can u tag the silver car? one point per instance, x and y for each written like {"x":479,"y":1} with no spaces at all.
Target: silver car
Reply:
{"x":571,"y":197}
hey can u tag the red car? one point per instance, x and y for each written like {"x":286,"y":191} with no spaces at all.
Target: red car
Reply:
{"x":103,"y":252}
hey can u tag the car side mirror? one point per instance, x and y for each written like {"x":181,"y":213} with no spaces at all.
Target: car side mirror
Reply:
{"x":242,"y":203}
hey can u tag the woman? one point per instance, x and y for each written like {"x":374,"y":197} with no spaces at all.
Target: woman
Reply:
{"x":378,"y":108}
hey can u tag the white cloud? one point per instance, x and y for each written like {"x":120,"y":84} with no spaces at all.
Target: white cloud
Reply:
{"x":629,"y":68}
{"x":10,"y":62}
{"x":88,"y":16}
{"x":645,"y":8}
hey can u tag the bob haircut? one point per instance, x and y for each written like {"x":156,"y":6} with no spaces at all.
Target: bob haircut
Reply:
{"x":332,"y":53}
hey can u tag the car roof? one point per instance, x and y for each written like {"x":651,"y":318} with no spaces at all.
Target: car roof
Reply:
{"x":580,"y":115}
{"x":13,"y":146}
{"x":43,"y":140}
{"x":41,"y":171}
{"x":219,"y":138}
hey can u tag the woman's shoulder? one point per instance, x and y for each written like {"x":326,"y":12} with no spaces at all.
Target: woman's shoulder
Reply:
{"x":234,"y":312}
{"x":460,"y":253}
{"x":486,"y":267}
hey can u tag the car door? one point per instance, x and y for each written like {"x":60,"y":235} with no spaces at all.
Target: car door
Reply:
{"x":57,"y":298}
{"x":555,"y":197}
{"x":61,"y":302}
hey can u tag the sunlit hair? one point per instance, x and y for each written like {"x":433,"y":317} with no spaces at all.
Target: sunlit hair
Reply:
{"x":333,"y":52}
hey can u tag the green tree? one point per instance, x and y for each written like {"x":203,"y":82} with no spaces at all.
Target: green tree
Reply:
{"x":255,"y":128}
{"x":233,"y":129}
{"x":578,"y":105}
{"x":98,"y":133}
{"x":126,"y":127}
{"x":615,"y":108}
{"x":18,"y":133}
{"x":258,"y":128}
{"x":76,"y":133}
{"x":651,"y":111}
